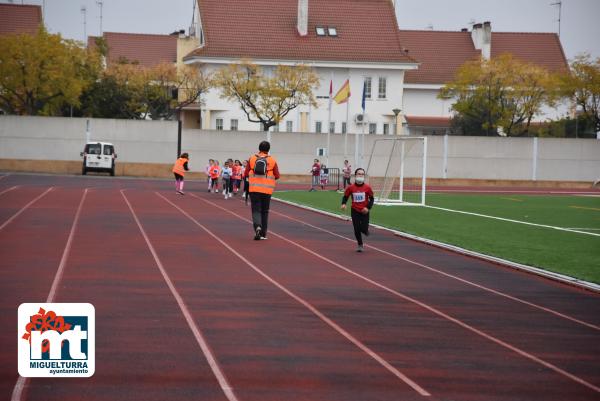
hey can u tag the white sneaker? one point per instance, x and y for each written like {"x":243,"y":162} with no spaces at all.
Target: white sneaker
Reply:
{"x":217,"y":191}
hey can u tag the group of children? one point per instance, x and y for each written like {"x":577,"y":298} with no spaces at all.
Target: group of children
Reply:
{"x":229,"y":176}
{"x":232,"y":172}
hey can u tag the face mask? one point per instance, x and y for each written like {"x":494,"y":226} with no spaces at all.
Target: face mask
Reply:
{"x":359,"y":180}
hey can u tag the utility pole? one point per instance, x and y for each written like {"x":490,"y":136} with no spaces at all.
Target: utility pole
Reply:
{"x":559,"y":4}
{"x":84,"y":12}
{"x":99,"y":3}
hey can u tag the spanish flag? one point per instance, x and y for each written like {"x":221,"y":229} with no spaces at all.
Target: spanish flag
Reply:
{"x":343,"y":94}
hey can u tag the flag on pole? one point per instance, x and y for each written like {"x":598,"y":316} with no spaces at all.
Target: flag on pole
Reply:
{"x":364,"y":96}
{"x":343,"y":94}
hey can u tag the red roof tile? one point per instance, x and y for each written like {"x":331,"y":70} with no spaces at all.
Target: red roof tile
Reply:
{"x":543,"y":49}
{"x":266,"y":29}
{"x":16,"y":18}
{"x":421,"y":121}
{"x":442,"y":53}
{"x":148,"y":50}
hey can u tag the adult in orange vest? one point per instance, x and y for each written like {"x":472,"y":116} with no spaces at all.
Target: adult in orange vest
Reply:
{"x":262,"y":171}
{"x":179,"y":169}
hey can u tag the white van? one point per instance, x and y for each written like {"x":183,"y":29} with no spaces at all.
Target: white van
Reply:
{"x":98,"y":156}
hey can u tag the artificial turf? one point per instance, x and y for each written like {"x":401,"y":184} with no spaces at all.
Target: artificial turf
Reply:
{"x":574,"y":254}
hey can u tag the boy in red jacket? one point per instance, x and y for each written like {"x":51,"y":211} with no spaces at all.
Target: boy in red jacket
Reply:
{"x":362,"y":202}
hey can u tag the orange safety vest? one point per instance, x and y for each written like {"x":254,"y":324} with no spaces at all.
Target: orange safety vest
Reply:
{"x":178,"y":167}
{"x":262,"y":183}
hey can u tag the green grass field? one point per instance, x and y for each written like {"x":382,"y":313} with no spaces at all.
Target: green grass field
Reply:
{"x":570,"y":253}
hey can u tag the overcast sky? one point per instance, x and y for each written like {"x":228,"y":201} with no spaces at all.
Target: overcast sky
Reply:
{"x":580,"y":30}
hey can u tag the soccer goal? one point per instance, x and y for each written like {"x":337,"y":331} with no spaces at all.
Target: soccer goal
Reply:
{"x":397,"y":169}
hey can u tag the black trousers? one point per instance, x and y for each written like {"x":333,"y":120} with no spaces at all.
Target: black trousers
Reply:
{"x":360,"y":222}
{"x":346,"y":181}
{"x":260,"y":210}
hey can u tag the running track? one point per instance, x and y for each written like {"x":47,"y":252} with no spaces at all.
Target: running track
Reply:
{"x":189,"y":307}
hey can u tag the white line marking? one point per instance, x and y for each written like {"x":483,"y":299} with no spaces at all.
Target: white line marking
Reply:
{"x":510,"y":220}
{"x":66,"y":252}
{"x":9,"y":189}
{"x":22,"y":381}
{"x":463,"y":251}
{"x":427,"y":307}
{"x":4,"y":176}
{"x":306,"y":304}
{"x":14,"y":216}
{"x":211,"y":359}
{"x":590,"y":325}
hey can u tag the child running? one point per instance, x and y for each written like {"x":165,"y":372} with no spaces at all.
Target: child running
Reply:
{"x":362,"y":202}
{"x":179,"y":169}
{"x":226,"y":176}
{"x":236,"y":176}
{"x":215,"y":171}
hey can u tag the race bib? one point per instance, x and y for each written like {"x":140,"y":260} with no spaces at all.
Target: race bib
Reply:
{"x":358,"y":197}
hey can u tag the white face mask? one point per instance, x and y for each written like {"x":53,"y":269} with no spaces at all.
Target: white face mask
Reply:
{"x":359,"y":179}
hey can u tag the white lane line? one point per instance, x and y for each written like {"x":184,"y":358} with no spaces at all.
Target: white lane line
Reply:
{"x":427,"y":307}
{"x":22,"y":381}
{"x":510,"y":220}
{"x":14,"y":216}
{"x":482,"y":287}
{"x":66,"y":252}
{"x":208,"y":354}
{"x":9,"y":189}
{"x":307,"y":305}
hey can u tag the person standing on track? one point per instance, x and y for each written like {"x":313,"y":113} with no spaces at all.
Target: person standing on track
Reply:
{"x":315,"y":170}
{"x":347,"y":171}
{"x":179,"y":169}
{"x":262,"y":171}
{"x":362,"y":202}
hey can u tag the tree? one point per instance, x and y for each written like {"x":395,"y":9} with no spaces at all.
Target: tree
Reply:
{"x":267,"y":98}
{"x":501,"y":93}
{"x":40,"y":73}
{"x":167,"y":90}
{"x":582,"y":86}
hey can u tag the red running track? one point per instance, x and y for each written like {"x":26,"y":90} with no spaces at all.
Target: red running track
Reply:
{"x":189,"y":307}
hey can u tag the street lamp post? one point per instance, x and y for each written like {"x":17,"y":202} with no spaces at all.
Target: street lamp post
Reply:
{"x":396,"y":112}
{"x":577,"y":112}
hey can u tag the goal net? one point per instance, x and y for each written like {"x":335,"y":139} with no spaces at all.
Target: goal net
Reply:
{"x":397,"y":170}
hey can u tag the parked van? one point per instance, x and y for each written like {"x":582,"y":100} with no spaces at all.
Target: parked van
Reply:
{"x":98,"y":156}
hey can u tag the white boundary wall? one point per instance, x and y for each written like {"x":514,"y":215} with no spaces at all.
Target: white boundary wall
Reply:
{"x":55,"y":138}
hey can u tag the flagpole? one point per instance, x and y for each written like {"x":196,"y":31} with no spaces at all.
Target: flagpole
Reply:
{"x":329,"y":118}
{"x":347,"y":128}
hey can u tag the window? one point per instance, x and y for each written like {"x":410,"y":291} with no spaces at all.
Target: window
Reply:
{"x":318,"y":126}
{"x":220,"y":124}
{"x":289,"y":126}
{"x":368,"y":87}
{"x":372,"y":128}
{"x":332,"y":31}
{"x":320,"y":31}
{"x":331,"y":127}
{"x":276,"y":128}
{"x":108,"y":150}
{"x":93,"y":149}
{"x":386,"y":129}
{"x":382,"y":87}
{"x":344,"y":128}
{"x":234,"y":124}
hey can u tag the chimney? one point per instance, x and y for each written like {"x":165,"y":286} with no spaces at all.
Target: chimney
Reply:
{"x":303,"y":17}
{"x":482,"y":38}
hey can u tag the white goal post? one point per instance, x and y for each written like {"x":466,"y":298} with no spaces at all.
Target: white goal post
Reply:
{"x":397,"y":170}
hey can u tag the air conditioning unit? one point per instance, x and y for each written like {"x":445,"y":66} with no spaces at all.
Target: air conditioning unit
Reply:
{"x":360,"y":118}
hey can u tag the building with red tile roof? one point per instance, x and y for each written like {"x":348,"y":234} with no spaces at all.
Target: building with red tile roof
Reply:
{"x":144,"y":49}
{"x":17,"y":18}
{"x":342,"y":40}
{"x":441,"y":53}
